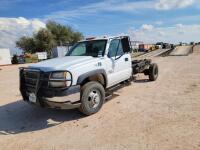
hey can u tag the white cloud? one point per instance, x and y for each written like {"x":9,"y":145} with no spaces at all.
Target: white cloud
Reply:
{"x":173,"y":4}
{"x":159,"y":23}
{"x":104,"y":6}
{"x":12,"y":29}
{"x":130,"y":6}
{"x":161,"y":33}
{"x":179,"y":25}
{"x":173,"y":34}
{"x":147,"y":27}
{"x":119,"y":6}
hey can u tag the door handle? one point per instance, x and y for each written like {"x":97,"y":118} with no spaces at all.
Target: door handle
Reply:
{"x":126,"y":59}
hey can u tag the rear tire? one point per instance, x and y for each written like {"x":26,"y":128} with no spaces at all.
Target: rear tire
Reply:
{"x":92,"y":98}
{"x":153,"y":72}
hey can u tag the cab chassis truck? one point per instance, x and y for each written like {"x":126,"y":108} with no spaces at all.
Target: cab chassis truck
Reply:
{"x":85,"y":76}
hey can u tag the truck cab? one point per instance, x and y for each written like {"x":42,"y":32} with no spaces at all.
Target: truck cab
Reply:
{"x":81,"y":78}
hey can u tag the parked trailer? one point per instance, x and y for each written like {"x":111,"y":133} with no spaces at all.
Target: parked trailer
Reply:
{"x":146,"y":47}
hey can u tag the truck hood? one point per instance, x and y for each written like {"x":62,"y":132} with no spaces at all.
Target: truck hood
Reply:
{"x":62,"y":63}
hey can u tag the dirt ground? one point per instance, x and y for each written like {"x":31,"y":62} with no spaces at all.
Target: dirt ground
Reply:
{"x":162,"y":115}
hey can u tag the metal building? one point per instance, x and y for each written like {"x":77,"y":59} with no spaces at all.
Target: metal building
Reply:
{"x":5,"y":57}
{"x":135,"y":44}
{"x":60,"y":51}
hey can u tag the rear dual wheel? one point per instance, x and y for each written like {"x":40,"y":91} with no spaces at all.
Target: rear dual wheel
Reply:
{"x":153,"y":72}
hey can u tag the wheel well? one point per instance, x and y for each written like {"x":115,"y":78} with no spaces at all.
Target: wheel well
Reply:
{"x":98,"y":78}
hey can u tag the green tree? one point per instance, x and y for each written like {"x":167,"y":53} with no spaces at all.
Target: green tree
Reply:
{"x":76,"y":36}
{"x":45,"y":39}
{"x":63,"y":35}
{"x":26,"y":44}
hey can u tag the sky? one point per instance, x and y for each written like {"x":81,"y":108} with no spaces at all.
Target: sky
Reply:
{"x":149,"y":21}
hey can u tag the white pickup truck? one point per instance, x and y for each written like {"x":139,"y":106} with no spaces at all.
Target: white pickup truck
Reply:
{"x":85,"y":76}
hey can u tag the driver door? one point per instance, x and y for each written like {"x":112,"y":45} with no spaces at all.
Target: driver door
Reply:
{"x":118,"y":63}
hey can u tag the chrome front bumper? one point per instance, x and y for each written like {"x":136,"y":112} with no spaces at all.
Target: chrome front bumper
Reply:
{"x":67,"y":99}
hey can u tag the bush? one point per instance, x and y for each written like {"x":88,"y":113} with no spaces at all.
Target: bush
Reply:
{"x":34,"y":58}
{"x":31,"y":58}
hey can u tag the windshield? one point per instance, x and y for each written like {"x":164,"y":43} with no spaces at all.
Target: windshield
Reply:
{"x":94,"y":48}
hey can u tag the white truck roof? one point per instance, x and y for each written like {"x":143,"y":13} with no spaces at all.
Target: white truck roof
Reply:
{"x":102,"y":38}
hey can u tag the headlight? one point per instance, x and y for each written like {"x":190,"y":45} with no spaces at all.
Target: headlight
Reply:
{"x":58,"y":75}
{"x":60,"y":79}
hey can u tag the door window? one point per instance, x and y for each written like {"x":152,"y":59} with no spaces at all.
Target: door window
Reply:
{"x":115,"y":48}
{"x":120,"y":49}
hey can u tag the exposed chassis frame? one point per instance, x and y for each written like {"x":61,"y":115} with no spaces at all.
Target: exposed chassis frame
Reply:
{"x":140,"y":66}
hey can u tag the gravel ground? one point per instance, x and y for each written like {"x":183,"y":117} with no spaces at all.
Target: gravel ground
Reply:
{"x":163,"y":115}
{"x":181,"y":50}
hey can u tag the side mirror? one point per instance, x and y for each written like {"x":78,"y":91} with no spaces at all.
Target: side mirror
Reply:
{"x":126,"y":45}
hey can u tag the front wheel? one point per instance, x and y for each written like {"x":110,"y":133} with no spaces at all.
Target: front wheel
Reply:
{"x":92,"y":98}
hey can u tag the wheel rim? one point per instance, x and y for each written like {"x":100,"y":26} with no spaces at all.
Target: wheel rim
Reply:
{"x":94,"y":99}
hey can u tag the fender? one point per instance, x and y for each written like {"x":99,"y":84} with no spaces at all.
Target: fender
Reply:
{"x":82,"y":77}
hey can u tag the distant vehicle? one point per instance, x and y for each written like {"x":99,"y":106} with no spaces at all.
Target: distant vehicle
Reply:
{"x":183,"y":44}
{"x":21,"y":59}
{"x":162,"y":45}
{"x":82,"y":79}
{"x":159,"y":45}
{"x":135,"y":44}
{"x":166,"y":46}
{"x":146,"y":47}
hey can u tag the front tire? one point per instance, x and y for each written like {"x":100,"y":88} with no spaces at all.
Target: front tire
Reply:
{"x":92,"y":98}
